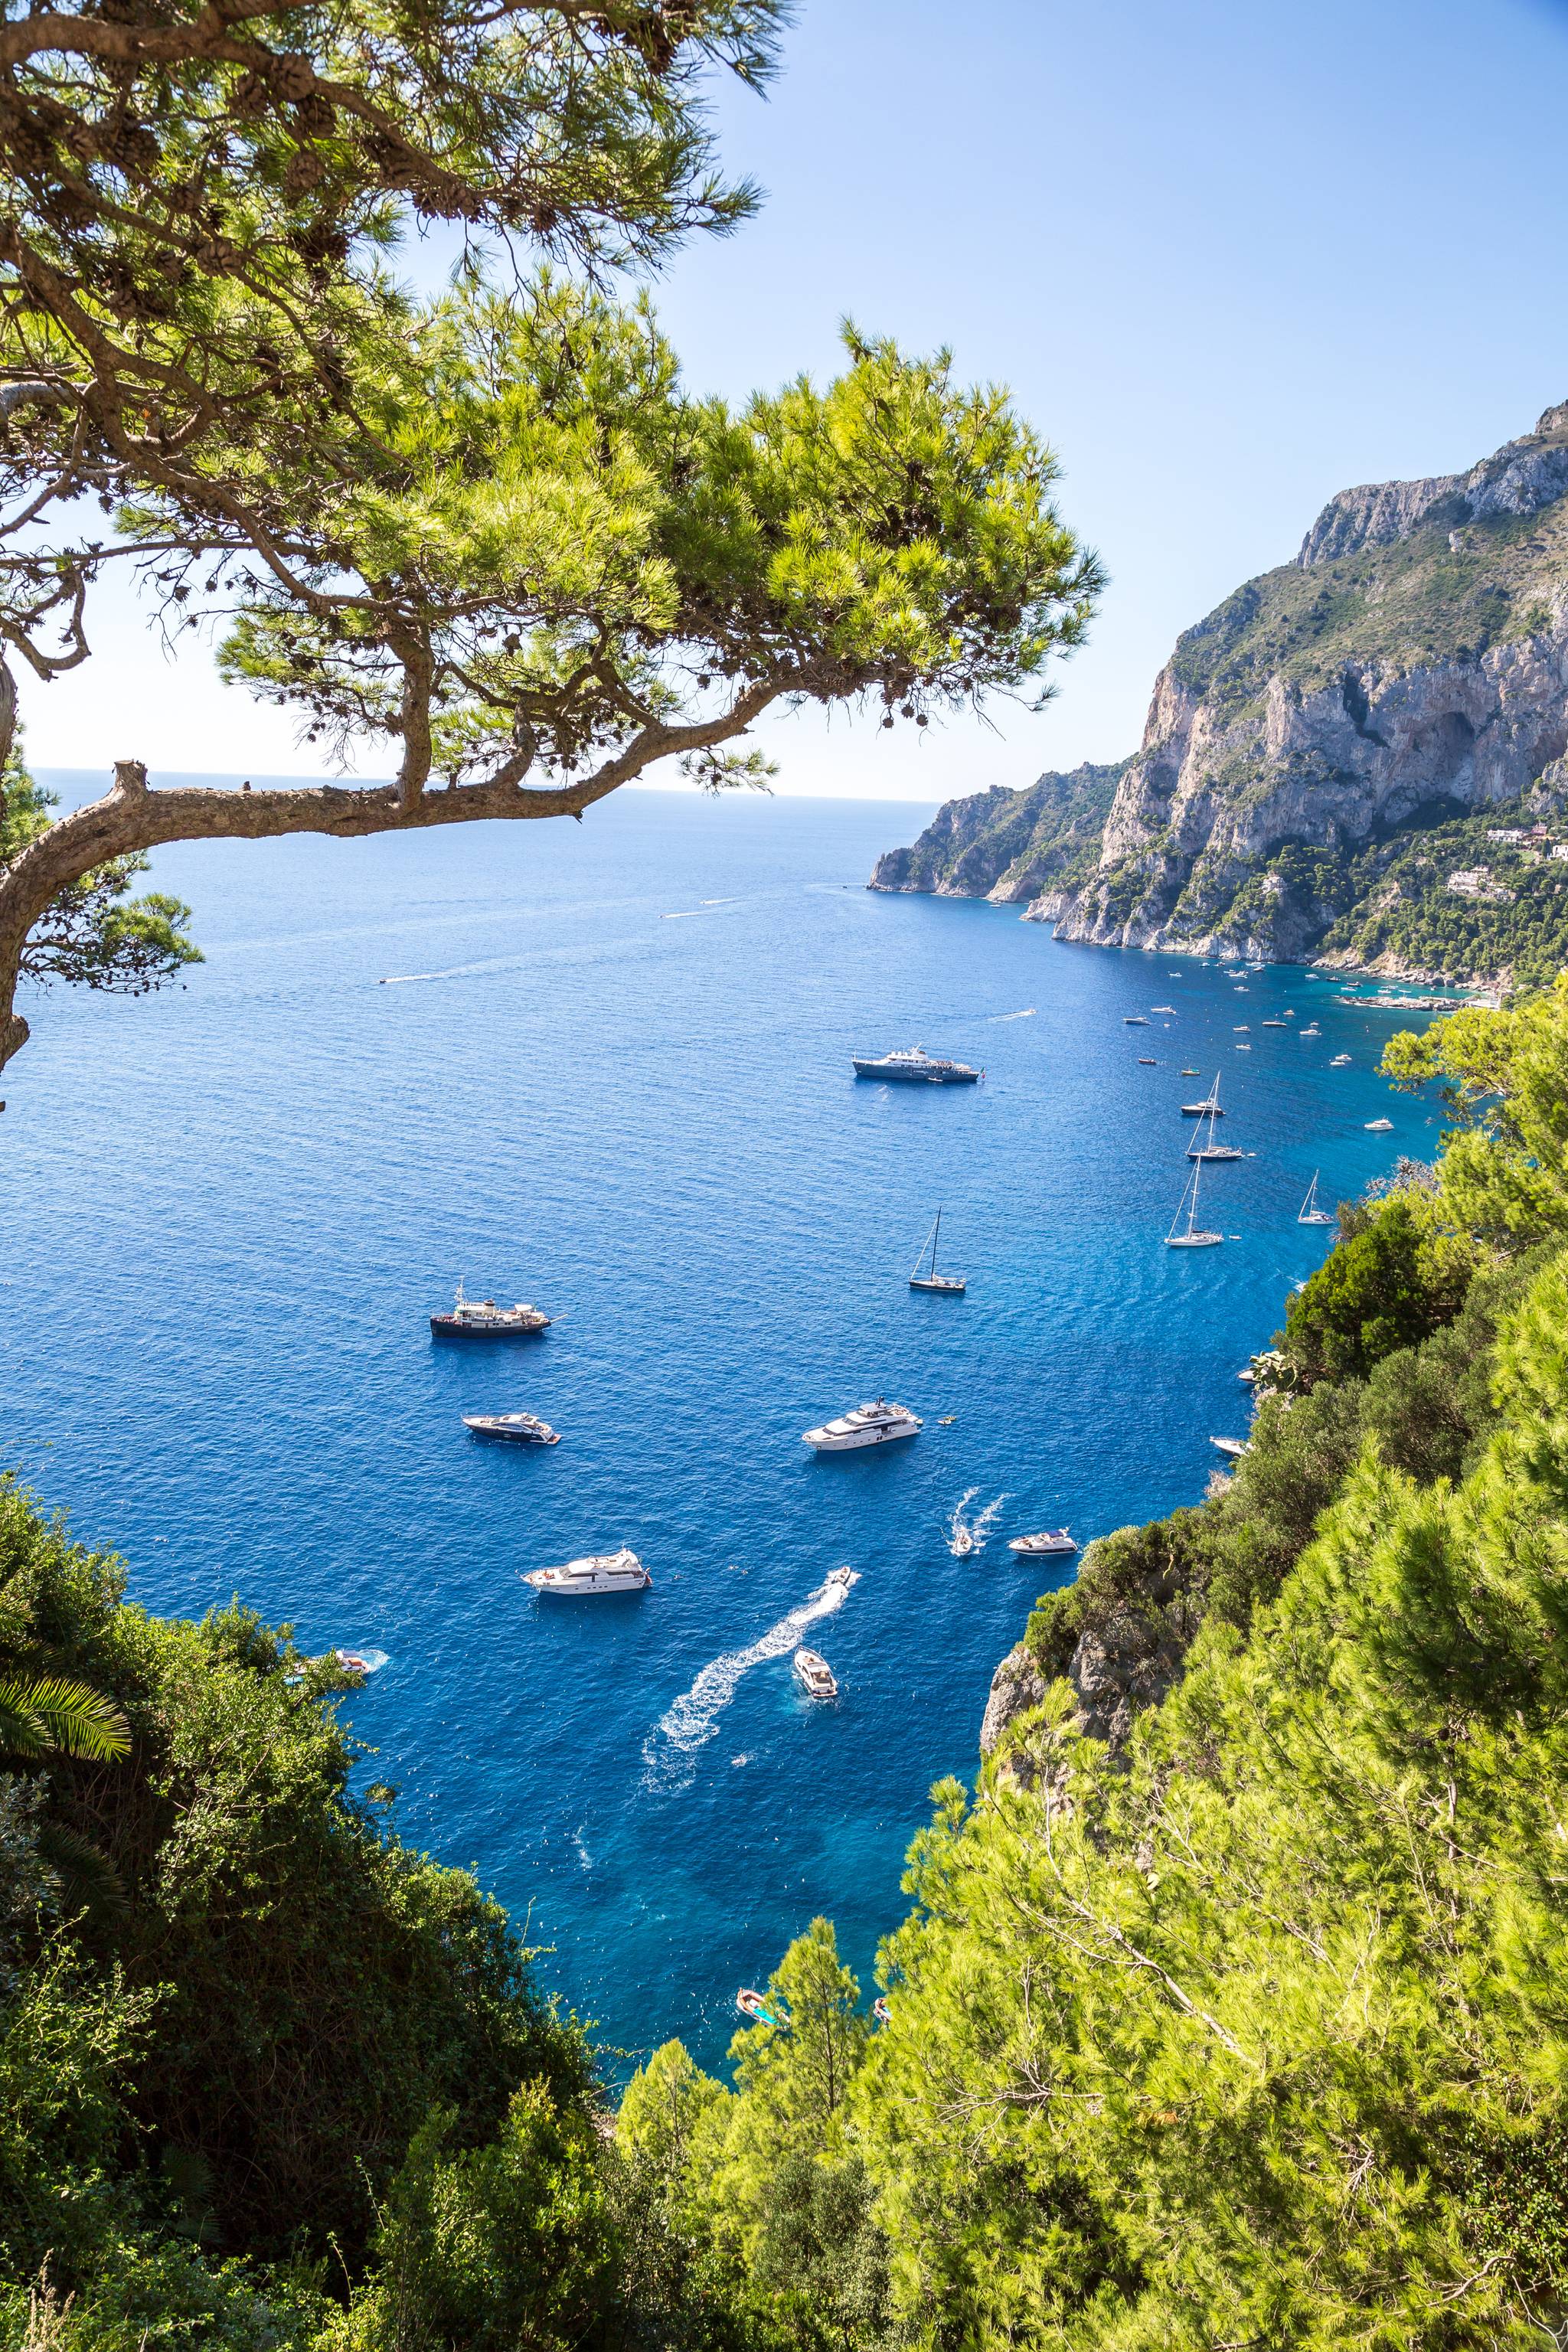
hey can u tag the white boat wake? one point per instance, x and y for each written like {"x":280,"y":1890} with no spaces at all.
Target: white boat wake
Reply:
{"x":671,"y":1746}
{"x":1026,"y":1014}
{"x":965,"y":1536}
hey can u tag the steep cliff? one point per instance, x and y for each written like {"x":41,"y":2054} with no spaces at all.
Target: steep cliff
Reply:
{"x":1407,"y":670}
{"x":1010,"y":846}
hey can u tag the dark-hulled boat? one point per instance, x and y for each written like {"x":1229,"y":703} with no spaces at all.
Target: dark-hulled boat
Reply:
{"x":915,"y":1067}
{"x":481,"y":1318}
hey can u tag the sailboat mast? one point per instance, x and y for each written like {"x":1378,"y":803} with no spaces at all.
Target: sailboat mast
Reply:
{"x":934,"y":1232}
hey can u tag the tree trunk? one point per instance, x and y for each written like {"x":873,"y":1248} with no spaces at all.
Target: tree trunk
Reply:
{"x":131,"y":818}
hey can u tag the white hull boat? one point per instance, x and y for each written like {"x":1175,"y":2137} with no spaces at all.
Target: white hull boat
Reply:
{"x":815,"y":1674}
{"x":599,"y":1573}
{"x":1310,"y":1213}
{"x":877,"y":1424}
{"x":1051,"y":1543}
{"x":1192,"y":1235}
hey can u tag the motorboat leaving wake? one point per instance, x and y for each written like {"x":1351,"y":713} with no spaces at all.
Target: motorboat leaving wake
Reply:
{"x":965,"y":1536}
{"x":671,"y":1749}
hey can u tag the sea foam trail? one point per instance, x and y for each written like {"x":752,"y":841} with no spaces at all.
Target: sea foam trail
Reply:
{"x":693,"y":1720}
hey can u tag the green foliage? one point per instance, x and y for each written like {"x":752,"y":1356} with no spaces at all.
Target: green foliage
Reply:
{"x":196,"y":227}
{"x":1504,"y":1079}
{"x":482,"y":2250}
{"x":1393,"y":1280}
{"x":220,"y":2079}
{"x":1391,"y":898}
{"x":562,"y":553}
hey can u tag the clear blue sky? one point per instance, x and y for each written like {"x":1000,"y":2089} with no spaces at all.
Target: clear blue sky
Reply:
{"x":1229,"y":257}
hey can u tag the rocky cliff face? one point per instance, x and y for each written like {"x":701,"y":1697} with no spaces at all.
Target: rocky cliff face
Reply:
{"x":1009,"y":847}
{"x":1410,"y":666}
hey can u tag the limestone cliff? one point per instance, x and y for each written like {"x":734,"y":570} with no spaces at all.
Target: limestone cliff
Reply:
{"x":1009,"y":847}
{"x":1409,"y":667}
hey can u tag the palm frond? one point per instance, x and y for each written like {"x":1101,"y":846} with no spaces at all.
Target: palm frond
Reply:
{"x":89,"y":1880}
{"x":50,"y":1711}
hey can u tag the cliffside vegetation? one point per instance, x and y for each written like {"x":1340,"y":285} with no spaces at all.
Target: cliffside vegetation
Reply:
{"x":1236,"y":2019}
{"x":1010,"y":846}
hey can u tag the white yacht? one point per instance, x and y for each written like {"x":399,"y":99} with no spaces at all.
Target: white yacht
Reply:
{"x":877,"y":1424}
{"x":1380,"y":1126}
{"x":815,"y":1674}
{"x":512,"y":1428}
{"x":605,"y":1571}
{"x":1339,"y":1062}
{"x":1049,"y":1543}
{"x":1233,"y":1448}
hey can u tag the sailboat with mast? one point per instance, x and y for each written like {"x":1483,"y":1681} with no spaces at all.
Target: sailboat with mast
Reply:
{"x":1192,"y":1235}
{"x":925,"y":1275}
{"x":1311,"y":1215}
{"x":1206,"y":1148}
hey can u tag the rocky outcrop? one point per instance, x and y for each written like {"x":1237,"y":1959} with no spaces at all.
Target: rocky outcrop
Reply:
{"x":1409,"y":667}
{"x":1017,"y":1685}
{"x":1523,"y":476}
{"x":1008,"y":847}
{"x":1119,"y":1668}
{"x":1120,"y":1664}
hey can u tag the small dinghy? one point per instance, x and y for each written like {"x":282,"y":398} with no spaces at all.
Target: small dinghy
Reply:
{"x":815,"y":1674}
{"x":1051,"y":1543}
{"x":511,"y":1428}
{"x":753,"y":2006}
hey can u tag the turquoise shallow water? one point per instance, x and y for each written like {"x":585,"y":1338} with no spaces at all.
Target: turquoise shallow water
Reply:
{"x":614,"y":1077}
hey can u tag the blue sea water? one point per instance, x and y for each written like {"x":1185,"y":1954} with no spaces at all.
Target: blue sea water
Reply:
{"x":613,"y":1077}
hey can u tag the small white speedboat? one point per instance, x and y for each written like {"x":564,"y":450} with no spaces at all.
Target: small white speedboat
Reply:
{"x":599,"y":1572}
{"x":815,"y":1674}
{"x":1051,"y":1543}
{"x":841,"y":1578}
{"x":1233,"y":1448}
{"x":1380,"y":1126}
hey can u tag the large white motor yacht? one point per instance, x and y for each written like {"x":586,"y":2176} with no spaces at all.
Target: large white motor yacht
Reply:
{"x":875,"y":1423}
{"x":1049,"y":1544}
{"x":606,"y":1571}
